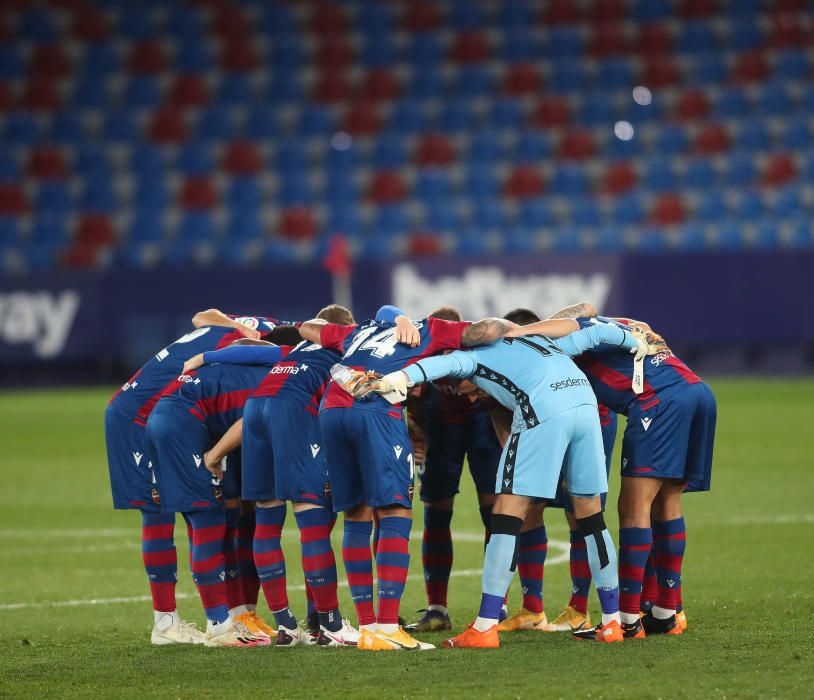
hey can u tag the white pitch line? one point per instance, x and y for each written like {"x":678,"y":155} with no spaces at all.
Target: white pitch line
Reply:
{"x":560,"y":558}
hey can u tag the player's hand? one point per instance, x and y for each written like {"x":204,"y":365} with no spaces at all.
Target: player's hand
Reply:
{"x":406,"y":332}
{"x":193,"y":363}
{"x":392,"y":387}
{"x":246,"y":332}
{"x":654,"y":342}
{"x":351,"y":380}
{"x":212,"y":466}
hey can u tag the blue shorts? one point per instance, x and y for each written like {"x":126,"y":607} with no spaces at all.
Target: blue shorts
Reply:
{"x":608,"y":427}
{"x":569,"y":442}
{"x":230,"y":484}
{"x":447,"y":446}
{"x":370,"y":458}
{"x":131,"y":478}
{"x":674,"y":438}
{"x":176,"y":443}
{"x":283,"y":455}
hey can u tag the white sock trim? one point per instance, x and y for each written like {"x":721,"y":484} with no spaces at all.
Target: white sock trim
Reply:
{"x":662,"y":613}
{"x":484,"y":623}
{"x":438,"y":608}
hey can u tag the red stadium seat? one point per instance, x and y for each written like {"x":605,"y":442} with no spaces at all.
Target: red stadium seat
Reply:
{"x":552,"y":111}
{"x":242,"y":158}
{"x":561,"y":12}
{"x":470,"y":47}
{"x":198,"y":193}
{"x":230,"y":24}
{"x":238,"y":56}
{"x":5,"y":29}
{"x":297,"y":223}
{"x":45,"y":162}
{"x":607,"y":11}
{"x":653,"y":39}
{"x":787,"y":30}
{"x":697,"y":8}
{"x":362,"y":118}
{"x":660,"y":72}
{"x":380,"y":84}
{"x":13,"y":201}
{"x":421,"y":16}
{"x":90,"y":25}
{"x":522,"y":79}
{"x":779,"y":170}
{"x":94,"y":230}
{"x":41,"y":93}
{"x":608,"y":40}
{"x":147,"y":58}
{"x":6,"y":97}
{"x":577,"y":145}
{"x":618,"y":178}
{"x":81,"y":256}
{"x":692,"y":104}
{"x":333,"y":52}
{"x":386,"y":186}
{"x":328,"y":18}
{"x":712,"y":138}
{"x":168,"y":126}
{"x":50,"y":60}
{"x":424,"y":244}
{"x":523,"y":182}
{"x":750,"y":67}
{"x":668,"y":209}
{"x":332,"y":86}
{"x":188,"y":91}
{"x":434,"y":149}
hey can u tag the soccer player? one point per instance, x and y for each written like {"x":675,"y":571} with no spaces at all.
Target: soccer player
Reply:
{"x":193,"y":414}
{"x":131,"y":476}
{"x":555,"y":426}
{"x":370,"y":459}
{"x":284,"y":460}
{"x":666,"y":450}
{"x":454,"y":429}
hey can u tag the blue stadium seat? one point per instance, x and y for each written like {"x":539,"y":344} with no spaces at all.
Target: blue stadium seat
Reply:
{"x":315,"y":120}
{"x":753,"y":135}
{"x":626,"y":210}
{"x":341,"y":188}
{"x":796,"y":135}
{"x":341,"y":158}
{"x":147,"y":227}
{"x":569,"y":179}
{"x":519,"y":44}
{"x":696,"y":36}
{"x":481,"y":183}
{"x":790,"y":201}
{"x":443,"y":215}
{"x":196,"y":226}
{"x":728,"y":236}
{"x":471,"y":242}
{"x":791,"y":64}
{"x":380,"y":247}
{"x":49,"y":228}
{"x":767,"y":235}
{"x":151,"y":194}
{"x":409,"y":116}
{"x":672,"y":138}
{"x":691,"y":236}
{"x":749,"y":207}
{"x":432,"y":184}
{"x":9,"y":231}
{"x":119,"y":126}
{"x":142,"y":91}
{"x":534,"y":214}
{"x":505,"y":113}
{"x":426,"y":84}
{"x":425,"y":49}
{"x":53,"y":197}
{"x":37,"y":25}
{"x":343,"y":218}
{"x":287,"y":53}
{"x":235,"y":89}
{"x":276,"y":20}
{"x":613,"y":74}
{"x":66,"y":128}
{"x":215,"y":123}
{"x":708,"y":68}
{"x":807,"y":167}
{"x":147,"y":161}
{"x":389,"y":151}
{"x":185,"y":24}
{"x":100,"y":60}
{"x":563,"y":40}
{"x":390,"y":220}
{"x":567,"y":75}
{"x":21,"y":129}
{"x":11,"y":63}
{"x":91,"y":162}
{"x":738,"y":169}
{"x":585,"y":211}
{"x":97,"y":196}
{"x":650,"y":240}
{"x":518,"y":240}
{"x":456,"y":114}
{"x":244,"y":226}
{"x":9,"y":166}
{"x":290,"y":155}
{"x":195,"y":158}
{"x":699,"y":174}
{"x":192,"y":56}
{"x":610,"y":239}
{"x":802,"y":233}
{"x":465,"y":15}
{"x":659,"y":175}
{"x":135,"y":22}
{"x":261,"y":122}
{"x":732,"y":102}
{"x":294,"y":188}
{"x":515,"y":13}
{"x":774,"y":99}
{"x":379,"y":51}
{"x":484,"y":147}
{"x":244,"y":193}
{"x":596,"y":109}
{"x":375,"y":19}
{"x":490,"y":213}
{"x":90,"y":93}
{"x":712,"y":207}
{"x":474,"y":81}
{"x":651,"y":10}
{"x":567,"y":239}
{"x":745,"y":34}
{"x":530,"y":146}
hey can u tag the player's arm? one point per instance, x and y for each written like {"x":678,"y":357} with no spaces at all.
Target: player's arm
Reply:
{"x":550,"y":328}
{"x":598,"y":334}
{"x":406,"y":332}
{"x":237,"y":355}
{"x":627,"y":322}
{"x":585,"y":309}
{"x":310,"y":330}
{"x":485,"y":331}
{"x":230,"y":441}
{"x":215,"y":317}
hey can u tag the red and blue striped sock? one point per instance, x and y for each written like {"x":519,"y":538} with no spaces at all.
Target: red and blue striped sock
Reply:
{"x":436,"y":554}
{"x":160,"y":560}
{"x":234,"y":587}
{"x":392,"y":562}
{"x":533,"y":547}
{"x":580,"y":574}
{"x":650,"y":584}
{"x":245,"y":558}
{"x":319,"y":563}
{"x":635,"y":544}
{"x":358,"y":561}
{"x":670,"y":540}
{"x":208,"y":531}
{"x":270,"y":563}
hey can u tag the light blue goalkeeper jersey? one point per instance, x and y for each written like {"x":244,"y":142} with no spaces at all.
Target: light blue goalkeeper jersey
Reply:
{"x":533,"y":376}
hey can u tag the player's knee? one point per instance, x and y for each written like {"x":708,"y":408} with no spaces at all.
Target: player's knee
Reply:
{"x":591,"y":525}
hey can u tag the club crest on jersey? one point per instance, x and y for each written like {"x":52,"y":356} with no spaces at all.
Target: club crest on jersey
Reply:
{"x":137,"y":456}
{"x":646,"y":421}
{"x":155,"y":496}
{"x":398,"y":449}
{"x":314,"y":450}
{"x":198,"y":460}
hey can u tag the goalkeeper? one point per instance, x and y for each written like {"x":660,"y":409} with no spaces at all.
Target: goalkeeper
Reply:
{"x":555,"y":426}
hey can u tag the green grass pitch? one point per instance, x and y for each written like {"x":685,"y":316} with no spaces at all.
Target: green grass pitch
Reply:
{"x":66,"y":556}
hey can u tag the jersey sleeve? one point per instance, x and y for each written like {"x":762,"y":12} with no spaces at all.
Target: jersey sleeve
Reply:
{"x":597,"y":334}
{"x":459,"y":364}
{"x":388,"y":314}
{"x":446,"y":335}
{"x":248,"y":355}
{"x":332,"y":335}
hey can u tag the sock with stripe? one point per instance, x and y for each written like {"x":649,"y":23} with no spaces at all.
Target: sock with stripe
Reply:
{"x":669,"y":543}
{"x":635,"y":544}
{"x":319,"y":563}
{"x":358,"y":560}
{"x":580,"y":573}
{"x":602,"y":561}
{"x":270,"y":563}
{"x":234,"y":586}
{"x":245,"y":559}
{"x":499,"y":565}
{"x":436,"y":554}
{"x":532,"y":550}
{"x":160,"y":560}
{"x":649,"y":584}
{"x":208,"y":565}
{"x":392,"y":562}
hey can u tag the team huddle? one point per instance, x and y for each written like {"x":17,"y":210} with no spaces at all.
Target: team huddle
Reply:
{"x":244,"y":414}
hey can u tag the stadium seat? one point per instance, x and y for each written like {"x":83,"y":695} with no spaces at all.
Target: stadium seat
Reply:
{"x":386,"y":186}
{"x":627,"y":210}
{"x":711,"y":138}
{"x":362,"y":119}
{"x":434,"y":149}
{"x":535,"y":213}
{"x":198,"y":193}
{"x":699,"y":174}
{"x":692,"y":104}
{"x":194,"y":158}
{"x":779,"y":170}
{"x":753,"y":135}
{"x":523,"y":181}
{"x":242,"y":158}
{"x":619,"y":177}
{"x":738,"y":170}
{"x":569,"y":179}
{"x":668,"y":209}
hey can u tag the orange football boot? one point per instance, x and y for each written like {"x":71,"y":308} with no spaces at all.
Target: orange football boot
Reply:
{"x":470,"y":638}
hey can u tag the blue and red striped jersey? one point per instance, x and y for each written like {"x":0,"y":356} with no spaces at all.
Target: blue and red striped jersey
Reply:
{"x":373,"y":346}
{"x":141,"y":392}
{"x":215,"y":394}
{"x":302,"y":376}
{"x":610,"y":371}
